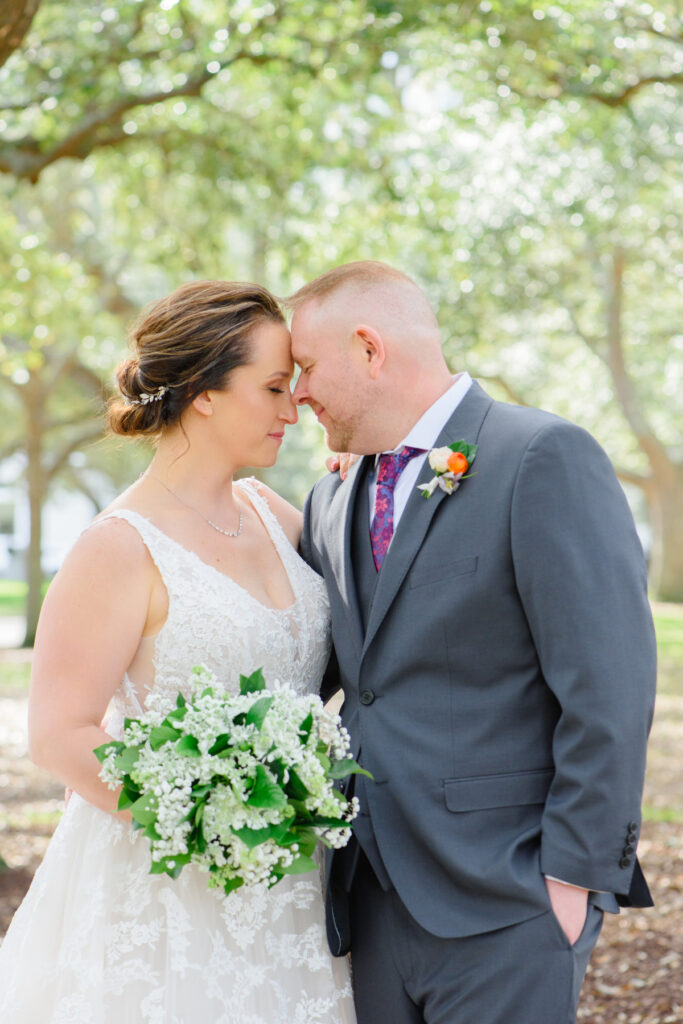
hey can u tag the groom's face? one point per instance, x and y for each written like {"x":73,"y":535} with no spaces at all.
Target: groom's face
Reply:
{"x":331,"y":381}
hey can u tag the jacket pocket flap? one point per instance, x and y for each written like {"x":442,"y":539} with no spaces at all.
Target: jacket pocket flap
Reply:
{"x":488,"y":791}
{"x":442,"y":571}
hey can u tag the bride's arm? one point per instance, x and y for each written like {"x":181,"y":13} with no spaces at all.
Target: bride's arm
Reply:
{"x":93,"y":617}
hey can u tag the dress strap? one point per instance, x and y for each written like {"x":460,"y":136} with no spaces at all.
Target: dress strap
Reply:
{"x":159,"y":546}
{"x":253,"y":490}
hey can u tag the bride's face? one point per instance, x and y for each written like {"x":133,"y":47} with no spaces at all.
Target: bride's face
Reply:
{"x":250,"y":415}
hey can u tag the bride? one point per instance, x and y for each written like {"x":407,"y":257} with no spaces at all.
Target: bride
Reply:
{"x":187,"y":566}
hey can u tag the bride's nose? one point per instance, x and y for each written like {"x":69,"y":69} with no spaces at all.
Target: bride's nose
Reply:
{"x":289,"y":413}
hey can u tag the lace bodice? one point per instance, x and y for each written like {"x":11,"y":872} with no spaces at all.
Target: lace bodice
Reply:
{"x":214,"y":621}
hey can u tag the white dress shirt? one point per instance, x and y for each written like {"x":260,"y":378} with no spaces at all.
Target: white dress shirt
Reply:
{"x":422,"y":435}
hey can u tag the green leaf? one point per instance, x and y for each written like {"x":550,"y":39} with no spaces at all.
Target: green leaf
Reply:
{"x":253,"y":683}
{"x":255,"y":836}
{"x":231,"y":884}
{"x":306,"y":838}
{"x":145,"y":809}
{"x":220,"y":744}
{"x":126,"y":759}
{"x":295,"y":787}
{"x":161,"y":734}
{"x":305,"y":727}
{"x":266,"y":792}
{"x":320,"y":821}
{"x":300,"y":866}
{"x":163,"y":866}
{"x":151,"y":832}
{"x":258,"y":711}
{"x":127,"y":798}
{"x":189,"y":746}
{"x":340,"y":769}
{"x":101,"y":752}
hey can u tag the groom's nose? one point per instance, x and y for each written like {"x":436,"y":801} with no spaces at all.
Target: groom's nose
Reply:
{"x":300,"y":393}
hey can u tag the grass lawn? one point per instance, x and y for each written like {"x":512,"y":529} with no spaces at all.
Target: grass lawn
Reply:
{"x":13,"y":596}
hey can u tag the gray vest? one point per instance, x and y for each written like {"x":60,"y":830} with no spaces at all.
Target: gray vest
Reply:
{"x":365,"y":576}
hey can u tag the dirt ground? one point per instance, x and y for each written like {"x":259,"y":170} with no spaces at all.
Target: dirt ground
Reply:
{"x":636,"y":973}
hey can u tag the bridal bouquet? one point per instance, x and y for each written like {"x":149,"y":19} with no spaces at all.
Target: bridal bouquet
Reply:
{"x":239,"y":784}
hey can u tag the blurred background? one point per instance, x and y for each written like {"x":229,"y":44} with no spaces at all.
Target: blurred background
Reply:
{"x":522,"y":160}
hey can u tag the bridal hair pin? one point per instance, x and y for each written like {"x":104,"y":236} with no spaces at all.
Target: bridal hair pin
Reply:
{"x":148,"y":396}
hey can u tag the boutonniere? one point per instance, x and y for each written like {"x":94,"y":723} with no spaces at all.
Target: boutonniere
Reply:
{"x":450,"y":464}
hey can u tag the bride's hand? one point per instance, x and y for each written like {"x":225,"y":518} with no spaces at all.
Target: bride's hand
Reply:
{"x":341,"y":461}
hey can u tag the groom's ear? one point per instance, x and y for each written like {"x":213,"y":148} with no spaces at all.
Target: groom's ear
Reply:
{"x":372,"y":348}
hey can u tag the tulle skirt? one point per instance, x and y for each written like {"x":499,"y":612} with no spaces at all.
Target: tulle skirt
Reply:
{"x":98,"y":940}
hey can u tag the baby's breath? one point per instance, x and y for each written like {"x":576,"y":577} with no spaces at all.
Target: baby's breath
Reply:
{"x":239,"y":785}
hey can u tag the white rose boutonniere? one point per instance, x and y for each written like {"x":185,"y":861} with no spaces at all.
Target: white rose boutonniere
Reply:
{"x":450,"y":464}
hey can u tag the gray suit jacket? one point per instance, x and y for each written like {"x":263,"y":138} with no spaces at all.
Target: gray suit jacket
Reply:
{"x":502,"y":690}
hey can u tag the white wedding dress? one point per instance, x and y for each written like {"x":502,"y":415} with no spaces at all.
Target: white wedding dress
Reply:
{"x":98,"y":940}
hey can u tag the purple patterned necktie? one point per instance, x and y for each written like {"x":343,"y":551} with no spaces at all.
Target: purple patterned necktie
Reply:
{"x":381,"y":531}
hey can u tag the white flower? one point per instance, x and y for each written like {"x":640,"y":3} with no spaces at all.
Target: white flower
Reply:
{"x":198,"y":823}
{"x":430,"y":486}
{"x":438,"y":459}
{"x":449,"y":482}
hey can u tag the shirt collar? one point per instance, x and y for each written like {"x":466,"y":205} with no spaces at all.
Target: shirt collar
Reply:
{"x":425,"y":432}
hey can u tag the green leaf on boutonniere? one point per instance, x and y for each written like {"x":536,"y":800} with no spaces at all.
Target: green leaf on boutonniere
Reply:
{"x":468,"y":450}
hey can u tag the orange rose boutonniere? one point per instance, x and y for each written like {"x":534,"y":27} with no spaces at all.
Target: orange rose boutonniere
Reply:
{"x":450,"y":464}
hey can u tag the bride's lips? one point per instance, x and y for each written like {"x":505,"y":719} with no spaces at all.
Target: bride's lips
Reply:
{"x":277,"y":437}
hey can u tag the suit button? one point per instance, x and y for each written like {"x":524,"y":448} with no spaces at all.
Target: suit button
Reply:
{"x":629,"y":849}
{"x":631,"y":837}
{"x":624,"y":862}
{"x":632,"y":826}
{"x":367,"y":697}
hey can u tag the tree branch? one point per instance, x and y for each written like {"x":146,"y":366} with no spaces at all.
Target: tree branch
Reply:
{"x":509,"y":390}
{"x":26,"y":158}
{"x":627,"y":476}
{"x":15,"y":20}
{"x":90,"y":434}
{"x":621,"y":99}
{"x":623,"y":385}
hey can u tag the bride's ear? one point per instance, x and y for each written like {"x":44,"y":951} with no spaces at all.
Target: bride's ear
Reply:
{"x":203,"y":404}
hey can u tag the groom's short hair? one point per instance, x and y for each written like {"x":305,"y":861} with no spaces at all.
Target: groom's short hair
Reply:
{"x":362,"y":274}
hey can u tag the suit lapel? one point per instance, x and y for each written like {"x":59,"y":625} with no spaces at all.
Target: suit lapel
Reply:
{"x":464,"y":424}
{"x":339,"y":548}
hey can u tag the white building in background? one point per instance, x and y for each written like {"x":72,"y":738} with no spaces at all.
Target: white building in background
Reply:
{"x":65,"y":515}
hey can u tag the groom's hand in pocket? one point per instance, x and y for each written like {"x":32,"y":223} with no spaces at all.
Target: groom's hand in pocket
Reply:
{"x":570,"y":906}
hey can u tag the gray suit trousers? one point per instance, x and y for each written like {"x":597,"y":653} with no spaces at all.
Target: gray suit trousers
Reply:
{"x":527,"y":973}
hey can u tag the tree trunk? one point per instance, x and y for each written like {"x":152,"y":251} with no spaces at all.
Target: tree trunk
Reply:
{"x":15,"y":20}
{"x":37,"y":485}
{"x":666,"y":563}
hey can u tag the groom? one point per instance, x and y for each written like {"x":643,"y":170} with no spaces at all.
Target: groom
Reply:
{"x":496,"y":652}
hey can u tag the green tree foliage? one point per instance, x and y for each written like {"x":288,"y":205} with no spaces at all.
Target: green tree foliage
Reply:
{"x":520,"y":159}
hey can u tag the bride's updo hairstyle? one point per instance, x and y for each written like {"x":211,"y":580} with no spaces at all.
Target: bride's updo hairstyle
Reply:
{"x":184,"y":344}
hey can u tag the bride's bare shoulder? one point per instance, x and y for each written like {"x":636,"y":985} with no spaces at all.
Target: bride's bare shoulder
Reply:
{"x":109,"y":547}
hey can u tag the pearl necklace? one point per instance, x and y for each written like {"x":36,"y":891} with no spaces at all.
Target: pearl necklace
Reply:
{"x":219,"y":529}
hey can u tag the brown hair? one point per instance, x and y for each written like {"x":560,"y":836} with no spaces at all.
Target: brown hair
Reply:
{"x":362,"y":273}
{"x":187,"y":343}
